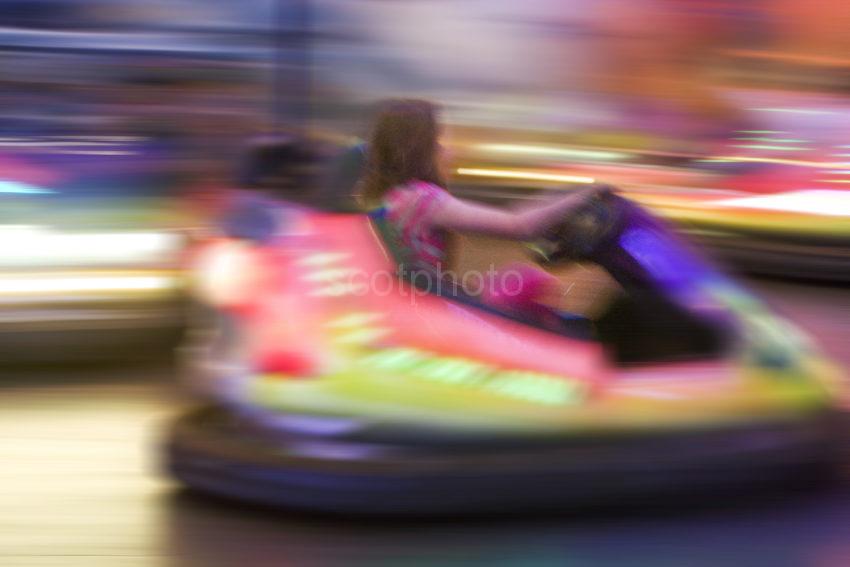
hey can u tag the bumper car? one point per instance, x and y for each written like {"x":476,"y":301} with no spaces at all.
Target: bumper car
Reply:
{"x":766,"y":215}
{"x":90,"y":252}
{"x":332,"y":384}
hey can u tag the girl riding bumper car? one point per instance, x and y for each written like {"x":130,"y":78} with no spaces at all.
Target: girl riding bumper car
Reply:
{"x":345,"y":375}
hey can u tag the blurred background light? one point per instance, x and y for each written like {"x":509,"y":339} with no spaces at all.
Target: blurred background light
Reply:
{"x":20,"y":188}
{"x":34,"y":285}
{"x":523,"y":175}
{"x":26,"y":245}
{"x":549,"y":151}
{"x":813,"y":201}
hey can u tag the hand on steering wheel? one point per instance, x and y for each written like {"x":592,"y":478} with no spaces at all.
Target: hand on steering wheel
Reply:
{"x":582,"y":231}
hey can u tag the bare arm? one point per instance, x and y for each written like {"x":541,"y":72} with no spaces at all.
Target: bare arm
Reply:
{"x":526,"y":223}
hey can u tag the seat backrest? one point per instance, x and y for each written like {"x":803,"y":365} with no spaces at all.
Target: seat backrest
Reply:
{"x":338,"y":185}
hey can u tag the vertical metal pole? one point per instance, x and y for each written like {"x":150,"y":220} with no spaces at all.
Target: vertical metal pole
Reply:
{"x":292,"y":66}
{"x":278,"y":72}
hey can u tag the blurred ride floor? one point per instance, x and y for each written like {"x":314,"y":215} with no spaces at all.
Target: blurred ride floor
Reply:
{"x":79,"y":486}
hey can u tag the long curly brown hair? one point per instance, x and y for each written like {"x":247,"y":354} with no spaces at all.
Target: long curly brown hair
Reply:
{"x":403,"y":147}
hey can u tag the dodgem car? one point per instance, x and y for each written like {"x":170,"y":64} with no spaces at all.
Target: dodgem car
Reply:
{"x":333,"y":384}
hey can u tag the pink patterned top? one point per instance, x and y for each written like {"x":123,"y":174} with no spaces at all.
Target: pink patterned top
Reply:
{"x":409,"y":212}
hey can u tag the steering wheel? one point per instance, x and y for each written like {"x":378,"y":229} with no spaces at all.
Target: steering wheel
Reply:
{"x":581,"y":233}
